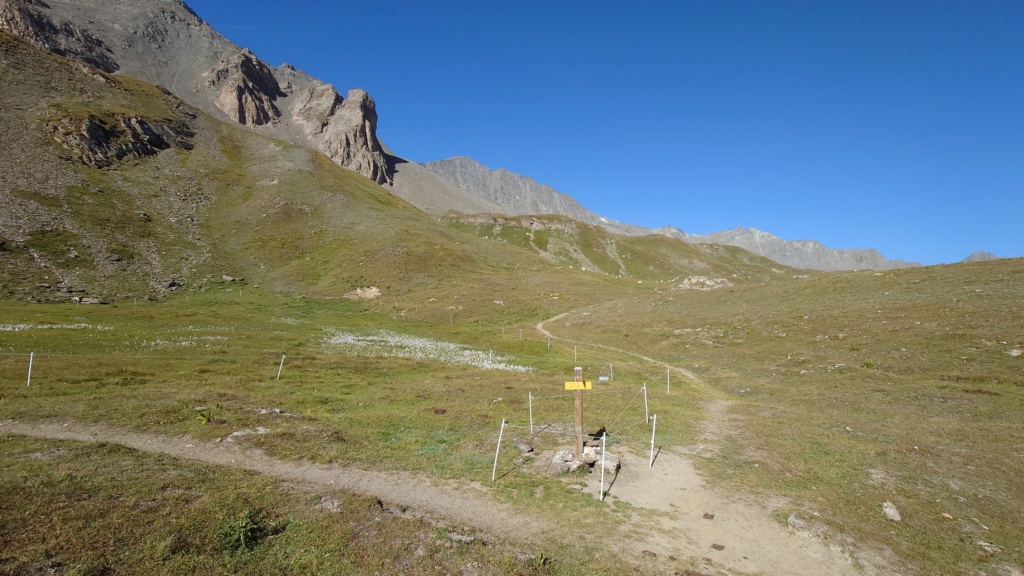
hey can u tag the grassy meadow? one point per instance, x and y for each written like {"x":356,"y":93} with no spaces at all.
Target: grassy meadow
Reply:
{"x":206,"y":365}
{"x":849,"y":390}
{"x":844,"y":391}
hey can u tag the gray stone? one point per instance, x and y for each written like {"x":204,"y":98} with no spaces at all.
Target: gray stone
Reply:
{"x":562,"y":456}
{"x":797,"y":523}
{"x":611,"y":463}
{"x":891,"y":512}
{"x":523,"y":446}
{"x":328,"y":504}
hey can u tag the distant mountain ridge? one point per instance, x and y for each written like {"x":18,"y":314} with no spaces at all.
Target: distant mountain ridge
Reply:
{"x":799,"y":253}
{"x":520,"y":196}
{"x":166,"y":43}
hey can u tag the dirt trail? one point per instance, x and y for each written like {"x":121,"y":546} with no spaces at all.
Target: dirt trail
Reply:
{"x":752,"y":542}
{"x":741,"y":538}
{"x":540,"y":328}
{"x":695,"y":520}
{"x":465,"y":504}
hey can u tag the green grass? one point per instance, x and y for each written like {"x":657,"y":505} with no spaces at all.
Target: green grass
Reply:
{"x":150,"y":366}
{"x":87,"y":508}
{"x":854,"y":389}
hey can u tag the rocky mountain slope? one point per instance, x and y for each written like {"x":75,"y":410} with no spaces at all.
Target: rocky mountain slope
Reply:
{"x":114,"y":190}
{"x":167,"y":44}
{"x":518,"y":195}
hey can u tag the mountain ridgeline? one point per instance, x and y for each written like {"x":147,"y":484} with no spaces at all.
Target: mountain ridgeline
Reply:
{"x":166,"y":44}
{"x":114,"y":189}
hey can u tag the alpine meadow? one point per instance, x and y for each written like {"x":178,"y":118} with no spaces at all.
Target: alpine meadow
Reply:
{"x":239,"y":335}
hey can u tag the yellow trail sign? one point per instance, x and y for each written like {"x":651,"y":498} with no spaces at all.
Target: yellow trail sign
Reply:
{"x":579,"y":385}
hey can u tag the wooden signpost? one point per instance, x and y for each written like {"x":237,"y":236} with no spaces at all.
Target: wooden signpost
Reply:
{"x":579,"y":386}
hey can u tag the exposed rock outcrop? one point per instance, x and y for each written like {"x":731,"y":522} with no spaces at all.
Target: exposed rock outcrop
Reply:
{"x":350,"y":137}
{"x":100,"y":142}
{"x":246,"y":89}
{"x":25,"y":18}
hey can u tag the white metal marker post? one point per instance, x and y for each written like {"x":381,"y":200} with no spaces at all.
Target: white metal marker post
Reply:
{"x":647,"y":413}
{"x":31,"y":357}
{"x":603,"y":438}
{"x":654,"y":425}
{"x":531,"y":411}
{"x":281,"y":367}
{"x":498,"y":449}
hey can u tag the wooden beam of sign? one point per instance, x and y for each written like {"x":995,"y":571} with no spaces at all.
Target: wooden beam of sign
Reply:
{"x":579,"y":385}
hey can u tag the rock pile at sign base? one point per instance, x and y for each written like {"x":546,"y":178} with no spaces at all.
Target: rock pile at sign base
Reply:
{"x":565,"y":461}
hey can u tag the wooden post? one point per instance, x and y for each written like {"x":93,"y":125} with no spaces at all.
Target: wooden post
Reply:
{"x":578,"y":374}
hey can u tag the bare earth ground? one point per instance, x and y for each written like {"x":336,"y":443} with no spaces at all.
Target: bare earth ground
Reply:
{"x":678,"y":517}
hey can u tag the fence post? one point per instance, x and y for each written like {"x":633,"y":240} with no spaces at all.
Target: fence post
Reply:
{"x":654,"y":425}
{"x":531,"y":410}
{"x":603,"y":438}
{"x":281,"y":367}
{"x":647,"y":413}
{"x":497,"y":450}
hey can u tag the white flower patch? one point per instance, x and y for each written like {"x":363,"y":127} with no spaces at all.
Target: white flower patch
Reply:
{"x":21,"y":327}
{"x":191,"y":328}
{"x":393,"y":345}
{"x":182,"y":341}
{"x":288,"y":320}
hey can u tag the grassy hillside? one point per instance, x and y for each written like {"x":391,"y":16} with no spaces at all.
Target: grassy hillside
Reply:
{"x":654,"y":258}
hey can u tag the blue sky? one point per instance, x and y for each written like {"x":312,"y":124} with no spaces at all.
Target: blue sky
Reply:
{"x":894,"y":125}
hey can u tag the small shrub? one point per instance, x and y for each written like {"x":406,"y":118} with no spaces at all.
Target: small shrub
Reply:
{"x":246,"y":531}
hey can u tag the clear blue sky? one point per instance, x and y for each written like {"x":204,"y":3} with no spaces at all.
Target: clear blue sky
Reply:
{"x":894,"y":125}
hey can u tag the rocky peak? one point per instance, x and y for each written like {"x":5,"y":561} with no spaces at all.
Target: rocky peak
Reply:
{"x":349,"y":133}
{"x":981,"y":256}
{"x":246,"y":89}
